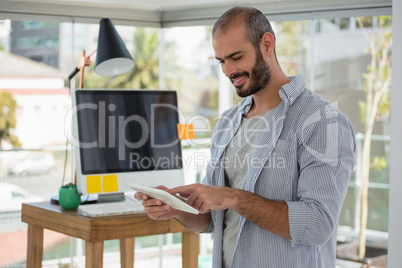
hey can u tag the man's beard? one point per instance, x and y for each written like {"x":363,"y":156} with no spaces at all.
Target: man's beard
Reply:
{"x":260,"y":77}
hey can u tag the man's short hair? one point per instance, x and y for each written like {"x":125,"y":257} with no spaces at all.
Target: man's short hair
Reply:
{"x":257,"y":24}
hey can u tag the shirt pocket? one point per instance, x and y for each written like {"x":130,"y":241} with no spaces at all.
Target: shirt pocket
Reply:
{"x":276,"y":176}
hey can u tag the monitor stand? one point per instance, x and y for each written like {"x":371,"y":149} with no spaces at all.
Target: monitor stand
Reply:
{"x":115,"y":197}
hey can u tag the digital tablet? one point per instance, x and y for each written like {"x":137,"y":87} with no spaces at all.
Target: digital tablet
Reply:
{"x":165,"y":197}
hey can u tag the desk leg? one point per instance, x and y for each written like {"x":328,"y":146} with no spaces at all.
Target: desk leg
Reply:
{"x":94,"y":254}
{"x":35,"y":246}
{"x":190,"y":249}
{"x":127,"y":252}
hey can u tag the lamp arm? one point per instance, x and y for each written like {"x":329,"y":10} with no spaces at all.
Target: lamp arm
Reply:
{"x":73,"y":73}
{"x":85,"y":62}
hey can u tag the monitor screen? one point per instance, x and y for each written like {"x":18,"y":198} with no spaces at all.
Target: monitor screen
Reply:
{"x":130,"y":134}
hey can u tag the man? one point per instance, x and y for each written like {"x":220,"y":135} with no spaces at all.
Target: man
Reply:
{"x":280,"y":160}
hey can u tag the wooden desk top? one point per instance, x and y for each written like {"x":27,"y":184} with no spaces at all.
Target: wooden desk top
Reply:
{"x":53,"y":217}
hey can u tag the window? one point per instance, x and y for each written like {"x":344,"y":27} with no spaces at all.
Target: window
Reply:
{"x":37,"y":42}
{"x":331,"y":54}
{"x":31,"y":25}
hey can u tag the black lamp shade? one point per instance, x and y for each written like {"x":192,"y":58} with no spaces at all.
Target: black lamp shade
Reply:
{"x":112,"y":57}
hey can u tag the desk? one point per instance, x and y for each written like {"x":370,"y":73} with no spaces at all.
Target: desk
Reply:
{"x":94,"y":230}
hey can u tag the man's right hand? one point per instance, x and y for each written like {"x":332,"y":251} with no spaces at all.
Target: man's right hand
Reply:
{"x":155,"y":208}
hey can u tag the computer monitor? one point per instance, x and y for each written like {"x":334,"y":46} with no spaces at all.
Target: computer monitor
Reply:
{"x":122,"y":136}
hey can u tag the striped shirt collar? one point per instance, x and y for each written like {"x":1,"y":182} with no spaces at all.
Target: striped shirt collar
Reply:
{"x":288,"y":92}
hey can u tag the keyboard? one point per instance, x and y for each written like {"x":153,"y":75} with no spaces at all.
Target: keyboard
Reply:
{"x":111,"y":208}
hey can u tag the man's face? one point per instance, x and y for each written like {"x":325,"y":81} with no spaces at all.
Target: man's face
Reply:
{"x":241,"y":62}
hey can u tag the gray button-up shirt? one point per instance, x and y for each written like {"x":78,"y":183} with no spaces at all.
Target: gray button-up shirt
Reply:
{"x":305,"y":158}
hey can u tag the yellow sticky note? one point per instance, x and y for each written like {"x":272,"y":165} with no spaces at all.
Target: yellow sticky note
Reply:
{"x":185,"y":131}
{"x":94,"y":184}
{"x":110,"y":183}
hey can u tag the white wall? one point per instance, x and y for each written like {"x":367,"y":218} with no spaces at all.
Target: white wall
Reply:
{"x":395,"y":200}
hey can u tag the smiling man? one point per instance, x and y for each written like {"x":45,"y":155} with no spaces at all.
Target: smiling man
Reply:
{"x":282,"y":160}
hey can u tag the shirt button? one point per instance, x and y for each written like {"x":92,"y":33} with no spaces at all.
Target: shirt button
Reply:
{"x":291,"y":99}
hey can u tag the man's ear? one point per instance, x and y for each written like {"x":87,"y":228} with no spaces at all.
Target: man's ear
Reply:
{"x":267,"y":44}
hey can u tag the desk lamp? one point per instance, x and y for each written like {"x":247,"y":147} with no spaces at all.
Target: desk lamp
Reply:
{"x":112,"y":58}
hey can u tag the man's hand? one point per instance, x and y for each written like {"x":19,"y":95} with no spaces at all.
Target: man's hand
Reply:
{"x":205,"y":198}
{"x":268,"y":214}
{"x":155,"y":209}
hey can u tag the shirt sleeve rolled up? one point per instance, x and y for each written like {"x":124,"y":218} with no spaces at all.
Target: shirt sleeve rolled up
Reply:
{"x":325,"y":157}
